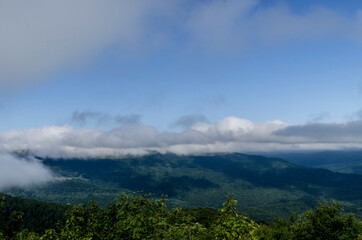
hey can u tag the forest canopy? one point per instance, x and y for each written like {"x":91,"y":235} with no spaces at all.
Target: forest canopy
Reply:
{"x":140,"y":216}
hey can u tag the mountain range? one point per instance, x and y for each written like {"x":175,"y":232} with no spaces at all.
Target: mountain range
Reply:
{"x":265,"y":187}
{"x":337,"y":161}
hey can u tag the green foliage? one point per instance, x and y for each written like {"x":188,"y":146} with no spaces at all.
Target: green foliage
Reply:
{"x":2,"y":201}
{"x":16,"y":218}
{"x":130,"y":217}
{"x":233,"y":226}
{"x":1,"y":208}
{"x":49,"y":234}
{"x":182,"y":226}
{"x":205,"y":216}
{"x":24,"y":234}
{"x":326,"y":221}
{"x":84,"y":222}
{"x":280,"y":229}
{"x":37,"y":215}
{"x":140,"y":216}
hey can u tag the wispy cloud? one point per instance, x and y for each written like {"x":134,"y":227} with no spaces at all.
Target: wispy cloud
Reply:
{"x":40,"y":38}
{"x":231,"y":26}
{"x":340,"y":132}
{"x":318,"y":117}
{"x":81,"y":118}
{"x":189,"y":120}
{"x":37,"y":40}
{"x":127,"y":119}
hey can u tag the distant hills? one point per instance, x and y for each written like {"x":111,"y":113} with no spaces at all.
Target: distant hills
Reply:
{"x":265,"y":187}
{"x":337,"y":161}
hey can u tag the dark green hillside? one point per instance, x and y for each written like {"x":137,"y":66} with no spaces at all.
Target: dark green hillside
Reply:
{"x":265,"y":187}
{"x":36,"y":215}
{"x":140,"y":216}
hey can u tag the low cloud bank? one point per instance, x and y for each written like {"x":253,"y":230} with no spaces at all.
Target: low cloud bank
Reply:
{"x":230,"y":134}
{"x":15,"y":172}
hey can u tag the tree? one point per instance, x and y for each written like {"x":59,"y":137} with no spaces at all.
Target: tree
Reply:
{"x":233,"y":226}
{"x":84,"y":222}
{"x":327,"y":221}
{"x":139,"y":216}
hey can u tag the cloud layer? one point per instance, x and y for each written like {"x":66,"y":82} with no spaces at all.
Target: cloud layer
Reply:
{"x":42,"y":38}
{"x":230,"y":134}
{"x":15,"y":172}
{"x":227,"y":135}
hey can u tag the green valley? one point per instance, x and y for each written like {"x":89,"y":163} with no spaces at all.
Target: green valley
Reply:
{"x":266,"y":188}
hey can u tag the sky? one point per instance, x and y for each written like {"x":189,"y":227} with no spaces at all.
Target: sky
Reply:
{"x":93,"y":78}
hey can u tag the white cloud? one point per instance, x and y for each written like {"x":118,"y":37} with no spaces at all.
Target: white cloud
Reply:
{"x":16,"y":172}
{"x":230,"y":134}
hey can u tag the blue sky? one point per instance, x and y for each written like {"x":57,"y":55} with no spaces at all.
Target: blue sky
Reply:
{"x":295,"y":84}
{"x":180,"y":67}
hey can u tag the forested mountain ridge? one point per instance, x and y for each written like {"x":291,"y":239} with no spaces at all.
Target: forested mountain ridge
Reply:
{"x":265,"y":187}
{"x":337,"y":161}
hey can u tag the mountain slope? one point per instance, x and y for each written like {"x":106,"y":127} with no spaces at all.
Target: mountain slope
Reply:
{"x":337,"y":161}
{"x":38,"y":215}
{"x":265,"y":187}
